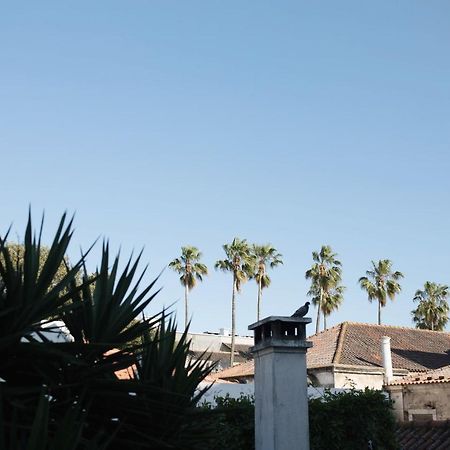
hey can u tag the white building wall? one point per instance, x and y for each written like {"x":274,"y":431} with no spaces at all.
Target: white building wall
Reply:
{"x":323,"y":378}
{"x":235,"y":390}
{"x":358,"y":380}
{"x":352,"y":377}
{"x":201,"y":342}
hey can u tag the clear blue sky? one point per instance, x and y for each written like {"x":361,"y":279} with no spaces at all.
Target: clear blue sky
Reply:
{"x":299,"y":123}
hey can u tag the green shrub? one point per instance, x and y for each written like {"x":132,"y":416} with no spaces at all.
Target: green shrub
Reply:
{"x":354,"y":420}
{"x":234,"y":423}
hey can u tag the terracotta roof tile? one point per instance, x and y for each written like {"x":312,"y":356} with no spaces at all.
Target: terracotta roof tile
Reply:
{"x":359,"y":344}
{"x":324,"y":346}
{"x":441,"y":375}
{"x":246,"y":369}
{"x":430,"y":435}
{"x":125,"y":374}
{"x":211,"y":379}
{"x":412,"y":349}
{"x":122,"y":374}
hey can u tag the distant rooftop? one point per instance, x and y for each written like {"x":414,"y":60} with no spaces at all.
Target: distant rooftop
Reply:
{"x":441,"y":375}
{"x":431,"y":435}
{"x":359,"y":344}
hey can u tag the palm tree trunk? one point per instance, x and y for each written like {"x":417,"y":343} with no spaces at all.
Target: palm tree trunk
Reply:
{"x":319,"y":306}
{"x":324,"y":321}
{"x":258,"y":308}
{"x":233,"y":321}
{"x":379,"y":312}
{"x":186,"y":291}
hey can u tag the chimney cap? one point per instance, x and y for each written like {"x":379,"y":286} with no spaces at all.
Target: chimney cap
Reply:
{"x":280,"y":331}
{"x":303,"y":320}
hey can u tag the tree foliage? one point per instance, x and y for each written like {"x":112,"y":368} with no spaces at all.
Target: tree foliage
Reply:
{"x":67,"y":395}
{"x":240,"y":263}
{"x":381,"y":283}
{"x":264,"y":256}
{"x":17,"y":254}
{"x":233,"y":420}
{"x":331,"y":300}
{"x":352,"y":420}
{"x":343,"y":421}
{"x":326,"y":276}
{"x":432,"y":309}
{"x":190,"y":268}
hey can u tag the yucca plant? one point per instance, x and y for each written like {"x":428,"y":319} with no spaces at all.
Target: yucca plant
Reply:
{"x":45,"y":433}
{"x":67,"y":395}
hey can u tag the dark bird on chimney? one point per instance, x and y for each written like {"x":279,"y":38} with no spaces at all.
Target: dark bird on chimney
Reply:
{"x":302,"y":311}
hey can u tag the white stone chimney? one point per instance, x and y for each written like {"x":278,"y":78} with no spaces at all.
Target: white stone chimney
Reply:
{"x":387,"y":359}
{"x":281,"y":388}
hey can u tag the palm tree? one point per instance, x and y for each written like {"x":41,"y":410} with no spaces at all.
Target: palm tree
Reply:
{"x":432,"y":311}
{"x":381,"y":283}
{"x":264,"y":255}
{"x":331,"y":301}
{"x":191,"y":270}
{"x":240,"y":263}
{"x":325,"y":275}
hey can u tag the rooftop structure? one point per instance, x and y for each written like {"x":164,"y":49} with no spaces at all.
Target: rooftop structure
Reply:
{"x":216,"y":348}
{"x":349,"y":355}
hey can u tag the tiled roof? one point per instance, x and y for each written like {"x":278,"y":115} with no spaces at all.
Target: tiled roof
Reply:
{"x":441,"y":375}
{"x":122,"y":374}
{"x":359,"y":344}
{"x":430,"y":435}
{"x":325,"y":345}
{"x":211,"y":379}
{"x":246,"y":369}
{"x":125,"y":374}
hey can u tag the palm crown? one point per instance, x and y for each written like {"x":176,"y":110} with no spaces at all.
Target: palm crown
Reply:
{"x":190,"y":268}
{"x":325,"y":275}
{"x":432,"y":311}
{"x":264,"y":255}
{"x":240,"y":263}
{"x":381,"y":283}
{"x":331,"y":300}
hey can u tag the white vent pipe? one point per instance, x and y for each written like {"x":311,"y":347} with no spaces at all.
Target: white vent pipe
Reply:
{"x":387,"y":359}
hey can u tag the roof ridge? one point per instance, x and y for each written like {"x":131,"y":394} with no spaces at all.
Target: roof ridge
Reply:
{"x":326,"y":330}
{"x":393,"y":326}
{"x":340,"y":343}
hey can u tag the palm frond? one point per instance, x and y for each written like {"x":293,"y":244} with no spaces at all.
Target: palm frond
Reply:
{"x":381,"y":282}
{"x":433,"y":309}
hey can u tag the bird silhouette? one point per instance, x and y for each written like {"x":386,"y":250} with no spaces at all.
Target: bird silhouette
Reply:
{"x":302,"y":311}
